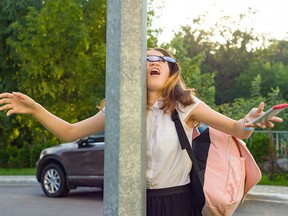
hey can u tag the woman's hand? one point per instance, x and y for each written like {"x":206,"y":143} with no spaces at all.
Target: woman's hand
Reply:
{"x":16,"y":103}
{"x":254,"y":113}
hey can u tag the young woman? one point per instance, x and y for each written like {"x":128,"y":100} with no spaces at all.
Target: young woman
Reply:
{"x":168,"y":167}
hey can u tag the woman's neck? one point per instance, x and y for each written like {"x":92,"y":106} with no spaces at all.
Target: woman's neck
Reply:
{"x":152,"y":97}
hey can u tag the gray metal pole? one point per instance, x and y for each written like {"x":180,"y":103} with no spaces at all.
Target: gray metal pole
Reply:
{"x":125,"y":126}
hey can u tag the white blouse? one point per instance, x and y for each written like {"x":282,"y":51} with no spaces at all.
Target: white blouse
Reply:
{"x":167,"y":164}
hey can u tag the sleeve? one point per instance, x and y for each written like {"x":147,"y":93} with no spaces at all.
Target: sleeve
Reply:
{"x":185,"y":111}
{"x":103,"y":110}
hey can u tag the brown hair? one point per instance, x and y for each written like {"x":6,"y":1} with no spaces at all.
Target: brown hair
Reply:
{"x":174,"y":89}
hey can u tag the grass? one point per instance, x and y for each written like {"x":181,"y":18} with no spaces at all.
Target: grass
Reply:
{"x":20,"y":171}
{"x":279,"y":180}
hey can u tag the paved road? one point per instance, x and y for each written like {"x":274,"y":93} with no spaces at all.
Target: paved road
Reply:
{"x":262,"y":208}
{"x":30,"y":201}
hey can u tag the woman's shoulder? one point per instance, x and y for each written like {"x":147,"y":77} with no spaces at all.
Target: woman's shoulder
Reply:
{"x":184,"y":111}
{"x":195,"y":99}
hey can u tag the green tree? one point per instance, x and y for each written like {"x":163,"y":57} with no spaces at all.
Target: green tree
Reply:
{"x":152,"y":34}
{"x":256,"y":87}
{"x":241,"y":106}
{"x":62,"y":53}
{"x":24,"y":155}
{"x":10,"y":11}
{"x":231,"y":56}
{"x":277,"y":51}
{"x":227,"y":48}
{"x":191,"y":69}
{"x":273,"y":75}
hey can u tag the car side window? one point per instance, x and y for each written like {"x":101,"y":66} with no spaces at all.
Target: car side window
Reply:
{"x":97,"y":139}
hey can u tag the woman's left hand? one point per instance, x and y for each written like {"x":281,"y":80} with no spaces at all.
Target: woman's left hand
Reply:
{"x":256,"y":112}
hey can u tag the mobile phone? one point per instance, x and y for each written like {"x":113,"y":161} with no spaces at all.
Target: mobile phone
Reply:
{"x":273,"y":111}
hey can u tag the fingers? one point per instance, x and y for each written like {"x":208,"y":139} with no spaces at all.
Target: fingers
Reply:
{"x":250,"y":126}
{"x":261,"y":107}
{"x":6,"y":95}
{"x":270,"y":124}
{"x":18,"y":94}
{"x":266,"y":124}
{"x":7,"y":107}
{"x":16,"y":103}
{"x":10,"y":112}
{"x":5,"y":103}
{"x":5,"y":98}
{"x":276,"y":119}
{"x":263,"y":125}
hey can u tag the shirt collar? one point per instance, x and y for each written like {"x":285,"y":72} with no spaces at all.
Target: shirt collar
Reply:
{"x":158,"y":103}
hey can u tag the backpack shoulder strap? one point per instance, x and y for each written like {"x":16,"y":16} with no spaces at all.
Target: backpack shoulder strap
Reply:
{"x":184,"y":142}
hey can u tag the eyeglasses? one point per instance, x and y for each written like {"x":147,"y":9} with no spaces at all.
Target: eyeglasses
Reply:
{"x":154,"y":58}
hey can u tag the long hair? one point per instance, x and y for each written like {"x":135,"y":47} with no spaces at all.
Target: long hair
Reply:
{"x":174,"y":89}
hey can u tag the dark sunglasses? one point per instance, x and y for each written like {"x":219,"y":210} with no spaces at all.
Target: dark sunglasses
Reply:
{"x":154,"y":58}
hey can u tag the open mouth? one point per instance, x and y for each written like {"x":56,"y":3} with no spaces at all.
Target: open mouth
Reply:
{"x":154,"y":72}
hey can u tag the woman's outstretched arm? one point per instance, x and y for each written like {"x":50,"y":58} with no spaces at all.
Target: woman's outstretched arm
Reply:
{"x":18,"y":103}
{"x":241,"y":128}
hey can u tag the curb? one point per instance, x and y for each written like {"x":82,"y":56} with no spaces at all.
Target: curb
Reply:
{"x":268,"y":193}
{"x":18,"y":180}
{"x":266,"y":197}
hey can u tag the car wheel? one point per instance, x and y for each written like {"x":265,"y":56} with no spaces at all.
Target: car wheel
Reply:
{"x":53,"y":181}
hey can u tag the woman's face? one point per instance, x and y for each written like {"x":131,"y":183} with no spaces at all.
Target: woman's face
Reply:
{"x":157,"y":72}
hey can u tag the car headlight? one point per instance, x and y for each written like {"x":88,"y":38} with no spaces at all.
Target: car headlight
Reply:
{"x":42,"y":154}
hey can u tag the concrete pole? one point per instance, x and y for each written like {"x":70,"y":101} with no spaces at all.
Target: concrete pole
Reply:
{"x":125,"y":127}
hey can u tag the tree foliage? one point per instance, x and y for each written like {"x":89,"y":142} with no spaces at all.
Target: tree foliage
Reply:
{"x":11,"y":11}
{"x":60,"y":53}
{"x":227,"y":51}
{"x":191,"y":69}
{"x":271,"y":66}
{"x":151,"y":32}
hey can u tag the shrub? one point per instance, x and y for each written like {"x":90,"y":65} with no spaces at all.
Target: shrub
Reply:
{"x":258,"y":144}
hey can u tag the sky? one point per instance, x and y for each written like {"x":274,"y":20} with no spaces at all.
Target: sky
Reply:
{"x":271,"y":16}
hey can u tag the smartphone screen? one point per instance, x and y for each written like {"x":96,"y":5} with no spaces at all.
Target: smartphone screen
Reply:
{"x":273,"y":111}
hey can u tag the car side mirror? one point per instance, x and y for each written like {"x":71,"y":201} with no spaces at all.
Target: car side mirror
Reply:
{"x":83,"y":141}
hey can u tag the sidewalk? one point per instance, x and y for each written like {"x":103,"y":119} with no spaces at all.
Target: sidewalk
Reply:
{"x":268,"y":193}
{"x":259,"y":192}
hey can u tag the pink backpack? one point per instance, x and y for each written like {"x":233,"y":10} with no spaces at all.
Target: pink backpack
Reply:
{"x":223,"y":170}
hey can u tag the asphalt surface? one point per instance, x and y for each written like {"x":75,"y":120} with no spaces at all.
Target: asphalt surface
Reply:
{"x":258,"y":192}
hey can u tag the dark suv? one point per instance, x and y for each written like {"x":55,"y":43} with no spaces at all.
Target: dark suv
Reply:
{"x":69,"y":165}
